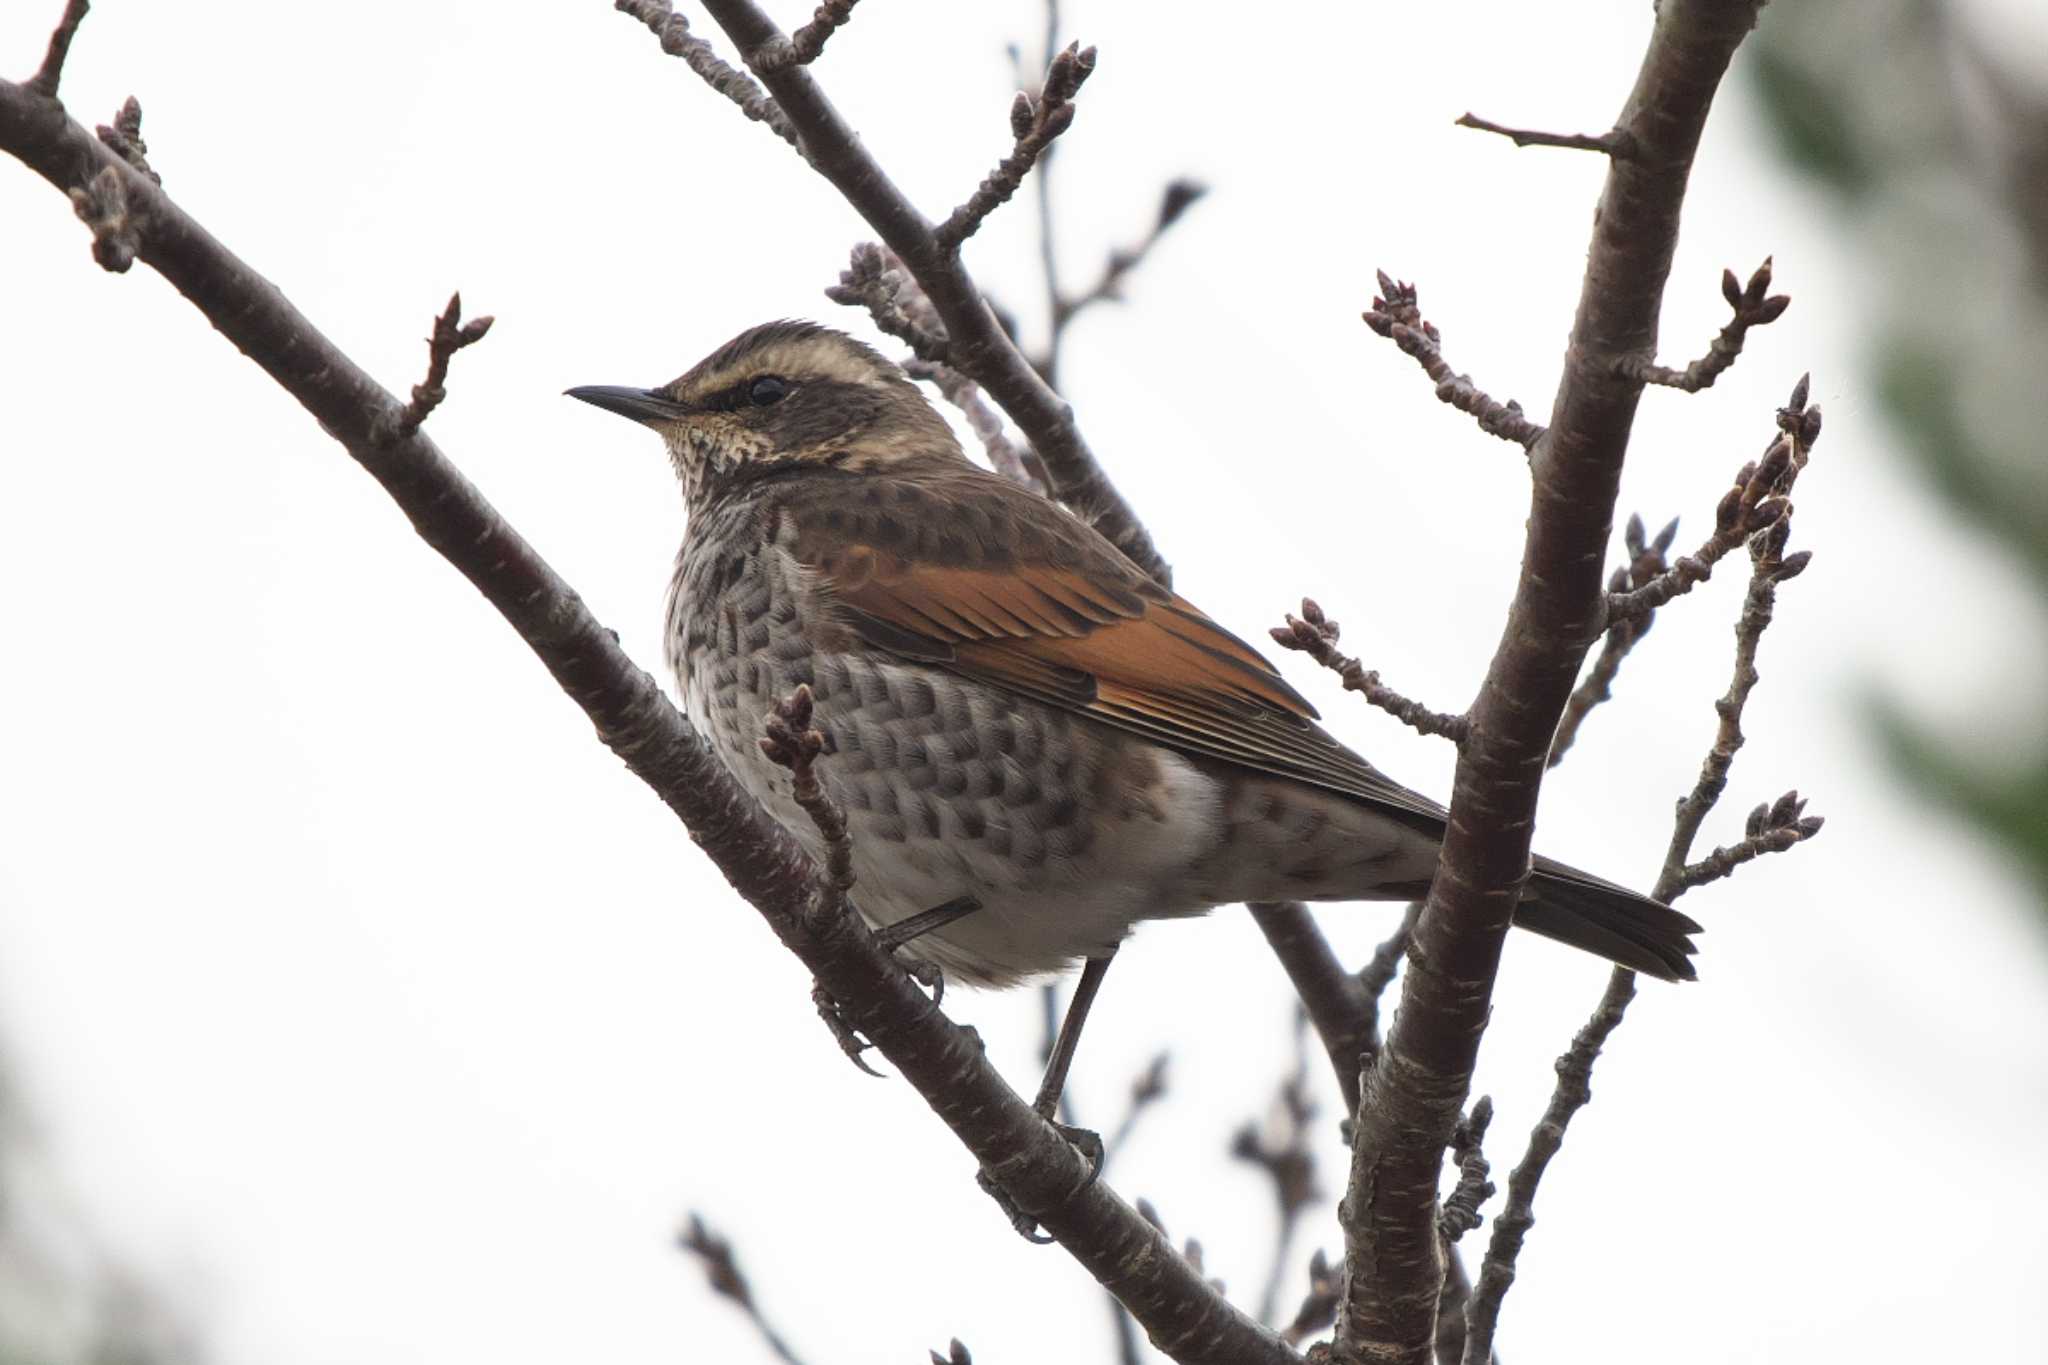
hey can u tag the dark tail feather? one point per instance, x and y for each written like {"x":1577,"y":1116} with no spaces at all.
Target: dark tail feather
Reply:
{"x":1572,"y":907}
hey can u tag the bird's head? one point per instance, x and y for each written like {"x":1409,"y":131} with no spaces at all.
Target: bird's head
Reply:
{"x":783,"y":397}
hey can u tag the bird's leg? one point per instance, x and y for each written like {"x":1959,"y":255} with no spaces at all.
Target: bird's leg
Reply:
{"x":889,"y":938}
{"x":1053,"y":1086}
{"x":924,"y":971}
{"x":1062,"y":1060}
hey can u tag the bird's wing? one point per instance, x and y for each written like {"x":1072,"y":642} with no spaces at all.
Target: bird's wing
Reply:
{"x":1052,"y":612}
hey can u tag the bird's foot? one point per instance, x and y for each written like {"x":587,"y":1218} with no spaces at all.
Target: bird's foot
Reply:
{"x":842,"y":1030}
{"x":1082,"y":1140}
{"x":926,"y":973}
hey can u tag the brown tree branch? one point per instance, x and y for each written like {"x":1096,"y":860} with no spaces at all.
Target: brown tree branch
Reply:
{"x":51,"y":72}
{"x":1755,"y":505}
{"x":1752,"y":309}
{"x":1046,"y":1177}
{"x":1396,"y":315}
{"x":1062,"y":308}
{"x":1394,"y":1273}
{"x":1646,"y":561}
{"x":450,"y":335}
{"x":976,"y":343}
{"x":697,"y":53}
{"x":1769,"y":828}
{"x":1280,"y":1147}
{"x":1034,"y":124}
{"x":728,"y":1281}
{"x":1315,"y":635}
{"x":1618,"y":143}
{"x":805,"y":45}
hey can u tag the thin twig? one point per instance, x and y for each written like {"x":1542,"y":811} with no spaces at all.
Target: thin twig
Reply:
{"x":1319,"y":1306}
{"x":1774,"y":827}
{"x":1034,"y":124}
{"x":730,"y":1282}
{"x":1618,"y":143}
{"x":697,"y":53}
{"x":1147,"y":1089}
{"x":1517,"y":1216}
{"x":1281,"y":1149}
{"x":1315,"y":635}
{"x":450,"y":335}
{"x":51,"y":72}
{"x":1178,"y":196}
{"x":1646,"y":561}
{"x":1752,"y":309}
{"x":1396,"y":315}
{"x":1769,"y":828}
{"x":803,"y":46}
{"x":1755,"y":506}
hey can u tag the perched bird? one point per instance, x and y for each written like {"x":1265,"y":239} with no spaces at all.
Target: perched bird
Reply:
{"x":1015,"y":713}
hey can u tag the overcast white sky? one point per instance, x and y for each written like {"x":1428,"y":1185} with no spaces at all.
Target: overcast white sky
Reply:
{"x":375,"y":1013}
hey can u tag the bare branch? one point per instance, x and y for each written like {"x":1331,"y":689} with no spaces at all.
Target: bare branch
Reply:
{"x":1147,"y":1089}
{"x":1319,"y":1306}
{"x":51,"y":72}
{"x":1034,"y":124}
{"x":1315,"y":635}
{"x":1396,"y":315}
{"x":1646,"y":561}
{"x":1773,"y":828}
{"x":728,"y":1281}
{"x":1042,"y":1172}
{"x":1281,"y":1149}
{"x":125,"y":137}
{"x":1757,"y":504}
{"x":1770,"y":828}
{"x":1174,"y":201}
{"x":1799,"y":426}
{"x":1618,"y":143}
{"x":976,"y":344}
{"x":450,"y":335}
{"x":1416,"y":1090}
{"x":1752,"y":309}
{"x":804,"y":45}
{"x":677,"y":41}
{"x":1517,"y":1216}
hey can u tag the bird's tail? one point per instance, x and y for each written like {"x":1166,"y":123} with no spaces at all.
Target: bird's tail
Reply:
{"x":1612,"y":921}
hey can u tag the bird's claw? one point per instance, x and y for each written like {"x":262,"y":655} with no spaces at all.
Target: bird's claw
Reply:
{"x":1082,"y":1140}
{"x":843,"y":1033}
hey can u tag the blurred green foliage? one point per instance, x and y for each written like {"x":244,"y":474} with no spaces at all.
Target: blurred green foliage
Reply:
{"x":1933,"y":133}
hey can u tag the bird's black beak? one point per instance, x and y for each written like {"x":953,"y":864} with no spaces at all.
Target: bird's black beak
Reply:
{"x":642,"y":405}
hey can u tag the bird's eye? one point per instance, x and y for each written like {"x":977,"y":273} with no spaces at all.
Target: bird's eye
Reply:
{"x":767,"y":389}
